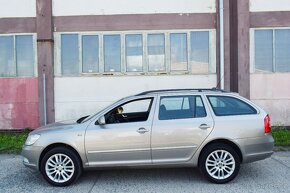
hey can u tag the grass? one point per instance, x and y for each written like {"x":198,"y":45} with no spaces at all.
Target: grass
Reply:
{"x":281,"y":136}
{"x":12,"y":142}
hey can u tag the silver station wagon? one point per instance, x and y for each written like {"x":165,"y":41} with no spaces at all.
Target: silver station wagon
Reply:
{"x":206,"y":128}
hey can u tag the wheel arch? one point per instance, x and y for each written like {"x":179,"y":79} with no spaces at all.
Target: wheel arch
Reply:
{"x":54,"y":145}
{"x":223,"y":141}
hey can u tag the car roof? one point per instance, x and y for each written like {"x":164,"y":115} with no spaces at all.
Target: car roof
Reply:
{"x":203,"y":90}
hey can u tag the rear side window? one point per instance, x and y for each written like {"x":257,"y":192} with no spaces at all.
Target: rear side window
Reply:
{"x":181,"y":107}
{"x":226,"y":105}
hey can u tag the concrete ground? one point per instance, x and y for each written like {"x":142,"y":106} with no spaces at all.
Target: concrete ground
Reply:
{"x":270,"y":175}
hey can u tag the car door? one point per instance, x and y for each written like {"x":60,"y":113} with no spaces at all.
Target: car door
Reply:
{"x":125,"y":137}
{"x":181,"y":123}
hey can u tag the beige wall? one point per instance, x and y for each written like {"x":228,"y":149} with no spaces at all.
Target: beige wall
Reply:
{"x":272,"y":93}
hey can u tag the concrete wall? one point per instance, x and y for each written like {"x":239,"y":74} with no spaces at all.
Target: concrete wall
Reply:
{"x":77,"y":96}
{"x":269,"y":5}
{"x":25,"y":8}
{"x":272,"y":93}
{"x":18,"y":103}
{"x":111,"y":7}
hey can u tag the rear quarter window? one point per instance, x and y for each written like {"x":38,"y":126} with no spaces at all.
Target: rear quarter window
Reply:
{"x":227,"y":105}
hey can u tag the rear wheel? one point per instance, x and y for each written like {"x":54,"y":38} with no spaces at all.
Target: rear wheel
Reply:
{"x":60,"y":166}
{"x":219,"y":163}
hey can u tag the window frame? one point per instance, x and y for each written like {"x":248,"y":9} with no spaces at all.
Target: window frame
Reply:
{"x":34,"y":50}
{"x":129,"y":101}
{"x":252,"y":49}
{"x":182,"y":96}
{"x":228,"y":96}
{"x":212,"y":52}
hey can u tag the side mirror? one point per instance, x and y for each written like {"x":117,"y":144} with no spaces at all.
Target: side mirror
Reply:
{"x":102,"y":120}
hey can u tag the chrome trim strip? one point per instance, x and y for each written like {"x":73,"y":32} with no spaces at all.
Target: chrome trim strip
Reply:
{"x":142,"y":149}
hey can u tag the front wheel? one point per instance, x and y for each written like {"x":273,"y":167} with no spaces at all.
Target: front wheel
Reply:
{"x":219,"y":163}
{"x":60,"y":166}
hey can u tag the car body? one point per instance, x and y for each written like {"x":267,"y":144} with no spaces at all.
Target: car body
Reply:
{"x":206,"y":128}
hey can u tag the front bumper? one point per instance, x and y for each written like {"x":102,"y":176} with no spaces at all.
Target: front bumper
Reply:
{"x":31,"y":156}
{"x":254,"y":149}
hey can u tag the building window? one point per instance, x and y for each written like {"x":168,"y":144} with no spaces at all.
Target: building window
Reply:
{"x":69,"y":54}
{"x":199,"y":52}
{"x":156,"y":52}
{"x":134,"y":53}
{"x":148,"y":52}
{"x":17,"y":56}
{"x":112,"y":53}
{"x":90,"y":53}
{"x":272,"y":50}
{"x":178,"y":52}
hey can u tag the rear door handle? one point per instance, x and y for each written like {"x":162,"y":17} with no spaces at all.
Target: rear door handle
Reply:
{"x":142,"y":130}
{"x":204,"y":126}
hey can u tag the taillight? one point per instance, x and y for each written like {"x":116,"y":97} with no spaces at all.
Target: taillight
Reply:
{"x":267,"y":125}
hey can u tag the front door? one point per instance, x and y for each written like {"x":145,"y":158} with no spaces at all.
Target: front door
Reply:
{"x":181,"y":123}
{"x":125,"y":137}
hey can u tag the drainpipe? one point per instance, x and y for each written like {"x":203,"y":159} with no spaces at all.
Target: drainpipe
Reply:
{"x":44,"y":98}
{"x":221,"y":21}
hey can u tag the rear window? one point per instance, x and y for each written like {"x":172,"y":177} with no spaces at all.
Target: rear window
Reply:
{"x":181,"y":107}
{"x":226,"y":105}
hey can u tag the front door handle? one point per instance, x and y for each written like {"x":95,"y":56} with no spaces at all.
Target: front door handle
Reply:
{"x":142,"y":130}
{"x":204,"y":126}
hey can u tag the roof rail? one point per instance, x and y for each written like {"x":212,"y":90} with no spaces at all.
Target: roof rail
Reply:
{"x":186,"y":89}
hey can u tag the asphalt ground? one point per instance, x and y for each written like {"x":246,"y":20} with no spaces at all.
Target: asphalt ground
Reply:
{"x":270,"y":175}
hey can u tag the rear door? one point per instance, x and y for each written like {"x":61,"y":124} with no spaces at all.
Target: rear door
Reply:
{"x":181,"y":123}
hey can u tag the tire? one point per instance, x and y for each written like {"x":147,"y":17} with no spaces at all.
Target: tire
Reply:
{"x":61,"y":166}
{"x":219,"y":163}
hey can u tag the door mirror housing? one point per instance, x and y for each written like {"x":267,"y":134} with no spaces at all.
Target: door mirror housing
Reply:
{"x":102,"y":120}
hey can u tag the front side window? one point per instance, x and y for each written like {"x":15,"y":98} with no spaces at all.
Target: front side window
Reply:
{"x":16,"y":56}
{"x":181,"y":107}
{"x":133,"y":111}
{"x":226,"y":105}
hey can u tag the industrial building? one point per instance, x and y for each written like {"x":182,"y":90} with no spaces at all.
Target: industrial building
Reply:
{"x":62,"y":59}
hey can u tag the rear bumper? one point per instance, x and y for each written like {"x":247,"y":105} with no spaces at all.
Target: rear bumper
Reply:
{"x":31,"y":156}
{"x":254,"y":149}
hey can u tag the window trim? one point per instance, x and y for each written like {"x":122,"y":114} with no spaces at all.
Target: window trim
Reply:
{"x":211,"y":106}
{"x":34,"y":50}
{"x":212,"y":52}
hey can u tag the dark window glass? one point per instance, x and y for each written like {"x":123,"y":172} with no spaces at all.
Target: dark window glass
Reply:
{"x":133,"y":111}
{"x":181,"y":107}
{"x":226,"y":105}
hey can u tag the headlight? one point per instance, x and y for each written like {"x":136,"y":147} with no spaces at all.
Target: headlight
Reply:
{"x":31,"y":139}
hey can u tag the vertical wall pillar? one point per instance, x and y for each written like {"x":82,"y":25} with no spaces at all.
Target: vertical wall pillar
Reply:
{"x":227,"y":46}
{"x":45,"y":59}
{"x":238,"y":73}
